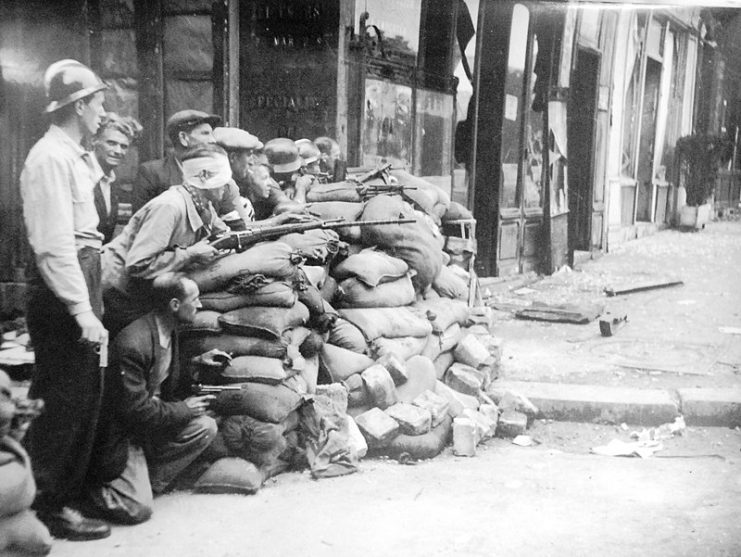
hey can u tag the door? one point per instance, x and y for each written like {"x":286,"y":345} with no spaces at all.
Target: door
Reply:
{"x":581,"y":135}
{"x":520,"y":195}
{"x":644,"y":175}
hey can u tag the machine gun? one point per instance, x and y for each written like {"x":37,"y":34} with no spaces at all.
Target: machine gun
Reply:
{"x":367,"y":191}
{"x":242,"y":239}
{"x":380,"y":172}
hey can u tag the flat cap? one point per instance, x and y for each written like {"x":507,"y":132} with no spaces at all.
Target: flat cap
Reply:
{"x":234,"y":138}
{"x":185,"y":118}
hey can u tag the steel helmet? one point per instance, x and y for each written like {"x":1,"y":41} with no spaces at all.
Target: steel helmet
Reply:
{"x":282,"y":155}
{"x":67,"y":81}
{"x":308,"y":151}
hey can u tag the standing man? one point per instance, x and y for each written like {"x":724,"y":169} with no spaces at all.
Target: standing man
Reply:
{"x":110,"y":145}
{"x":185,"y":129}
{"x":64,"y":302}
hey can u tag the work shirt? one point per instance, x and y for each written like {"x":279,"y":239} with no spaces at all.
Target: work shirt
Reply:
{"x":155,"y":239}
{"x":57,"y":184}
{"x":162,"y":357}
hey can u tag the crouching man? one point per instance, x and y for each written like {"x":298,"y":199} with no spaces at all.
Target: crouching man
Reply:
{"x":157,"y":428}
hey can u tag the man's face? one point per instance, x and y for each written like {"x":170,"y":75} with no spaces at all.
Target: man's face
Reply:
{"x":91,"y":113}
{"x":202,"y":134}
{"x":242,"y":163}
{"x":259,"y":182}
{"x":111,"y":148}
{"x":189,"y":305}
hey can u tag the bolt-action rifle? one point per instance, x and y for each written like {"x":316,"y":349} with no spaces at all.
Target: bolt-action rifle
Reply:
{"x":242,"y":239}
{"x":380,"y":172}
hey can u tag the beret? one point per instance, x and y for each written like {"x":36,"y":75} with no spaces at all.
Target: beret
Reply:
{"x":234,"y":138}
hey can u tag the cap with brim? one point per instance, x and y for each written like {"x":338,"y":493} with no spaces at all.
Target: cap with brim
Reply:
{"x":187,"y":118}
{"x":233,"y":139}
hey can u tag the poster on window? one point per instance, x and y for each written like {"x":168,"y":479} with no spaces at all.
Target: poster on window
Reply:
{"x":387,"y":124}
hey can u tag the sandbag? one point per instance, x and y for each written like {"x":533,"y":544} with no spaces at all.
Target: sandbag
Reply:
{"x":235,"y":345}
{"x":22,"y":534}
{"x":206,"y":322}
{"x":402,"y":348}
{"x":272,"y":259}
{"x":425,"y":196}
{"x":230,"y":475}
{"x":273,"y":294}
{"x":371,"y":266}
{"x":456,"y":211}
{"x":413,"y":242}
{"x":437,"y":344}
{"x":421,"y":377}
{"x":17,"y":486}
{"x":310,"y":373}
{"x":316,"y":245}
{"x":352,"y":293}
{"x":258,"y":369}
{"x":335,"y":191}
{"x":420,"y":447}
{"x":442,"y":311}
{"x":387,"y":322}
{"x":267,"y":403}
{"x":349,"y":211}
{"x":448,"y":284}
{"x":346,"y":335}
{"x":254,"y":440}
{"x":340,"y":363}
{"x":315,"y":274}
{"x":264,"y":322}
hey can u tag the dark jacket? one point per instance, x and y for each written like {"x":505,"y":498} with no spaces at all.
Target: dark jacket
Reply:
{"x":153,"y":178}
{"x":130,"y":411}
{"x":108,"y":220}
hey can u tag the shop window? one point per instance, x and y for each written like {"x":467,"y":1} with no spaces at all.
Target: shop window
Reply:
{"x":632,"y":97}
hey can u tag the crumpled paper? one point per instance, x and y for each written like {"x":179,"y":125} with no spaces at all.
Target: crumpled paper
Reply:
{"x":616,"y":447}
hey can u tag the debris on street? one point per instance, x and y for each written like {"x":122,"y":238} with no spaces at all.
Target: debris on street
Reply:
{"x":631,"y":287}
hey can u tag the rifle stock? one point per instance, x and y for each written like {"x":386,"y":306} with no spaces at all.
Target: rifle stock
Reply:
{"x":243,"y":239}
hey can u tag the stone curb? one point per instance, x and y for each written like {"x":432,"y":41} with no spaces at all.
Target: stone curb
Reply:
{"x":647,"y":407}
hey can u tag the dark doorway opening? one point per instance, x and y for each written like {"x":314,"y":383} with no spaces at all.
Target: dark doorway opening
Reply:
{"x":581,"y":122}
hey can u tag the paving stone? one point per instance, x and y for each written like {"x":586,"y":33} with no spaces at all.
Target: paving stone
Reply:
{"x":412,"y":419}
{"x":511,"y":424}
{"x":464,"y":379}
{"x":377,"y":427}
{"x":436,"y":405}
{"x":379,"y":386}
{"x":465,"y":437}
{"x":471,"y":352}
{"x":457,"y":401}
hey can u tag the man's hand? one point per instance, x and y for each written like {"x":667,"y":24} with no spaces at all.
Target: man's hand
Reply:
{"x":201,"y":252}
{"x":92,"y":329}
{"x":199,"y":404}
{"x":292,"y":217}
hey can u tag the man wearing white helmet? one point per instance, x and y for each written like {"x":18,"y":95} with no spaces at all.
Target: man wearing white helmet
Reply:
{"x":64,"y":304}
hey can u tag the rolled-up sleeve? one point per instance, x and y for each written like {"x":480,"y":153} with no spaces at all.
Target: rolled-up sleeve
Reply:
{"x":49,"y":217}
{"x":152,"y":252}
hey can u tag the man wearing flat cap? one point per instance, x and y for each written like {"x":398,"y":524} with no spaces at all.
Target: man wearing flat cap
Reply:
{"x":263,"y":195}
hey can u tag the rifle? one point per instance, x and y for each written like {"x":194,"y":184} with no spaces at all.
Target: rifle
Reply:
{"x":240,"y":240}
{"x":387,"y":189}
{"x":198,"y":389}
{"x":379,"y":172}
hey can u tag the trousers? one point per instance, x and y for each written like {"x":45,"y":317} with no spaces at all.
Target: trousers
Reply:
{"x":68,"y":377}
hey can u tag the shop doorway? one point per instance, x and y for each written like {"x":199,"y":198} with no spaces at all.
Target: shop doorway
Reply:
{"x":581,"y":131}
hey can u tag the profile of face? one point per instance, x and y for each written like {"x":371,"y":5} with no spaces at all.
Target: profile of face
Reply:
{"x":260,"y":181}
{"x":202,"y":134}
{"x":110,"y":148}
{"x":90,"y":111}
{"x":185,"y":309}
{"x":242,"y":163}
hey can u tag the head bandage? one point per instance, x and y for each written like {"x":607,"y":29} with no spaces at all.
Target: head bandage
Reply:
{"x":207,"y":173}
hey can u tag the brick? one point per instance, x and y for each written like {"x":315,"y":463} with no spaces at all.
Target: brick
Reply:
{"x":380,"y":386}
{"x":464,"y":437}
{"x":336,"y":392}
{"x":464,"y":379}
{"x":436,"y":405}
{"x":456,"y":401}
{"x":511,"y":424}
{"x":412,"y":419}
{"x":471,"y":352}
{"x":377,"y":427}
{"x":396,"y":368}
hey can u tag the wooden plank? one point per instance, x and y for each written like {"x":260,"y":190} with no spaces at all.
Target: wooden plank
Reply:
{"x":631,"y":287}
{"x":562,"y":313}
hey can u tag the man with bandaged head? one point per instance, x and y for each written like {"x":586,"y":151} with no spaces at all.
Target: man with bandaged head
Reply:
{"x":169,"y":233}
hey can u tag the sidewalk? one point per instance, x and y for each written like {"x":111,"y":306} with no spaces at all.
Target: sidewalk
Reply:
{"x":681,"y":344}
